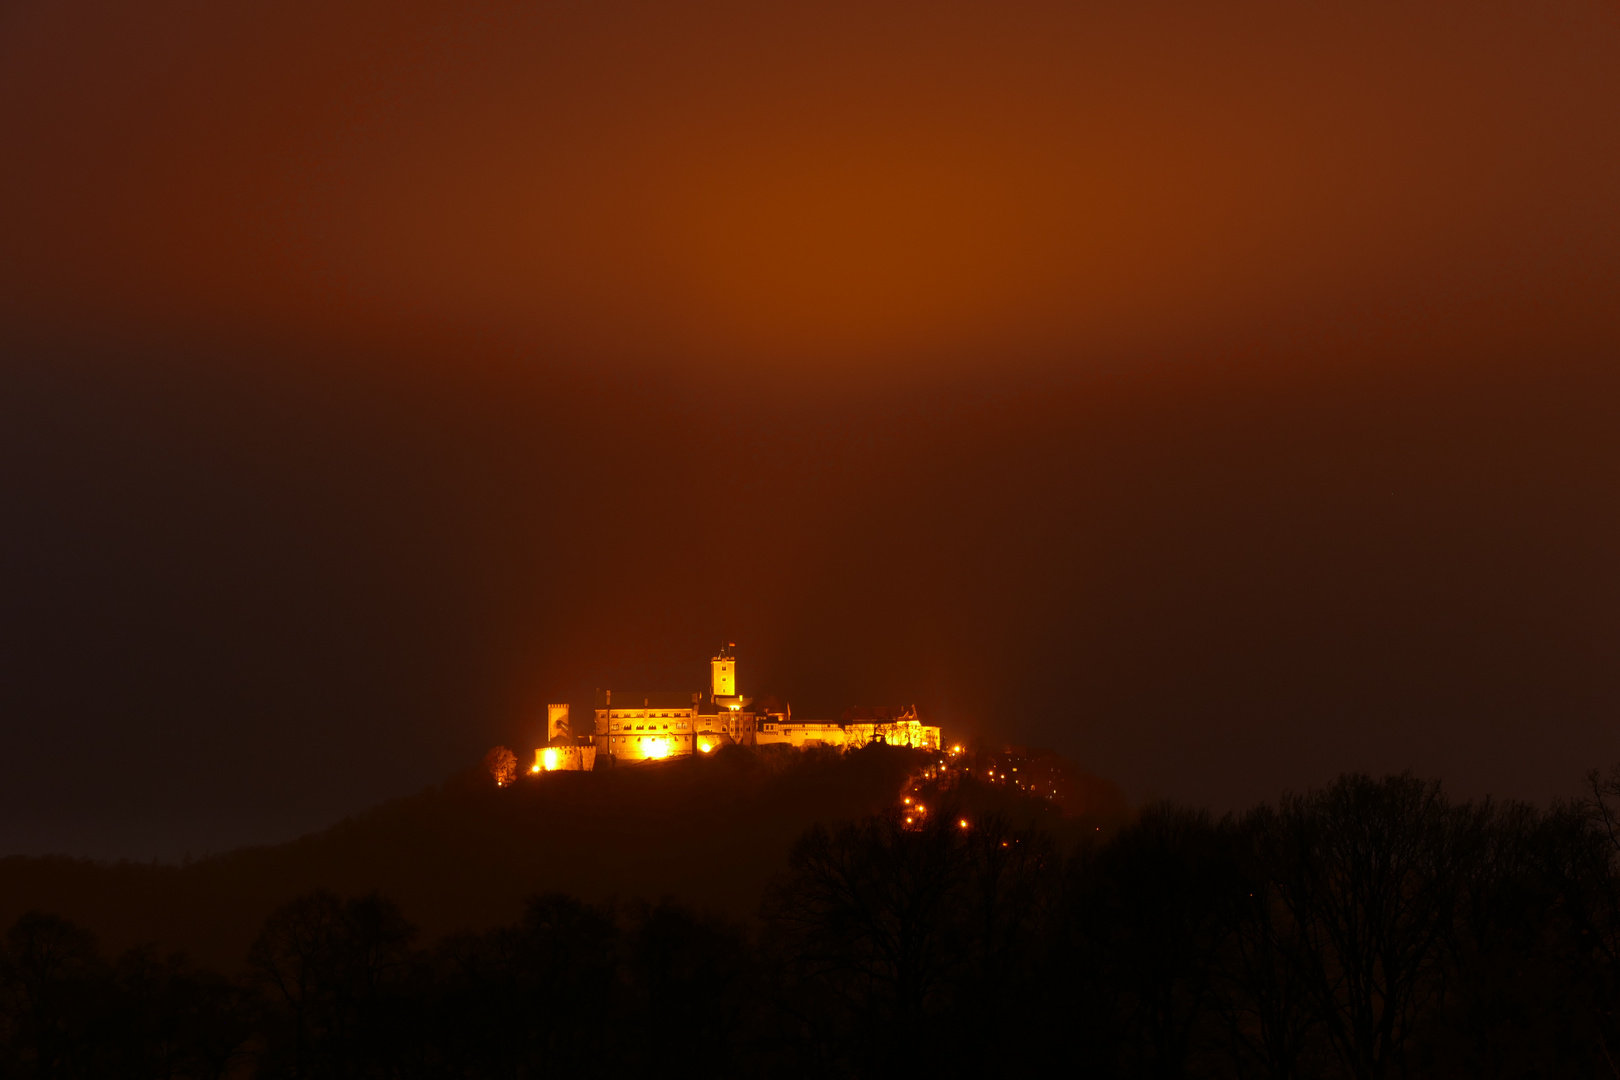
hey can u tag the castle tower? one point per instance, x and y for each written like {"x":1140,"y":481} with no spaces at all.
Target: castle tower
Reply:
{"x":557,"y":721}
{"x":723,"y":673}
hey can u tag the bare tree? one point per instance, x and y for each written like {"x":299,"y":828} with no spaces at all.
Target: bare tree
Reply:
{"x":325,"y":964}
{"x":1150,"y":913}
{"x":45,"y":967}
{"x":1266,"y":997}
{"x":502,"y":765}
{"x":1601,"y":911}
{"x":541,"y":998}
{"x":863,"y":923}
{"x":1371,"y":872}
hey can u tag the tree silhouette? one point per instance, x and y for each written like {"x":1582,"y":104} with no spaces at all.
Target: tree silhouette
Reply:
{"x":1371,"y":872}
{"x":1266,"y":998}
{"x":1368,"y":929}
{"x":1150,"y":914}
{"x":693,"y":984}
{"x":862,"y":924}
{"x":888,"y":936}
{"x":47,"y":971}
{"x":537,"y":999}
{"x":330,"y":967}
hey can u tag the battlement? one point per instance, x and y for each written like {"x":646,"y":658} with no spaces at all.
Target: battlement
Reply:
{"x":631,"y":726}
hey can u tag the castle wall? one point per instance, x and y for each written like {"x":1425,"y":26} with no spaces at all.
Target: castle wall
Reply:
{"x":802,"y":734}
{"x":564,"y":759}
{"x":635,"y":726}
{"x":645,"y":734}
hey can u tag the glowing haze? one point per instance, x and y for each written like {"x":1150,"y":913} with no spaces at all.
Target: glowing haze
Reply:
{"x":1224,"y":394}
{"x":816,"y":184}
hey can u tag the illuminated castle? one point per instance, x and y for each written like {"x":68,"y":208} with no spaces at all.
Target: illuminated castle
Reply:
{"x":640,"y":726}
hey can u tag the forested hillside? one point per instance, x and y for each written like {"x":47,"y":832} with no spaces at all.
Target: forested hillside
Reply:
{"x":465,"y":855}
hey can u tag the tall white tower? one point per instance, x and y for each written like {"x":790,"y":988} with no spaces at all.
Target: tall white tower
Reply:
{"x":723,"y":672}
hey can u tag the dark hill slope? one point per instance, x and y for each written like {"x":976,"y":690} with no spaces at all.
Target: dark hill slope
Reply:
{"x":464,"y":855}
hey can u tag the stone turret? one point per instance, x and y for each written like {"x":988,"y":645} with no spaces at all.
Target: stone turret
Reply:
{"x":723,"y":674}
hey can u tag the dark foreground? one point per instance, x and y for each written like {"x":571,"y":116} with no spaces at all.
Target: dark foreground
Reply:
{"x":1370,"y":929}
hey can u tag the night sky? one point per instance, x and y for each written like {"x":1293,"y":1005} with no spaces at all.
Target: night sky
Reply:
{"x":1226,"y":395}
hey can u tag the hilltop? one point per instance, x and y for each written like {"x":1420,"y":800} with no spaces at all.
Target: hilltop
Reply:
{"x":465,"y":854}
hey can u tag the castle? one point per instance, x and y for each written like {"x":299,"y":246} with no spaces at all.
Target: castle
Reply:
{"x":638,"y":726}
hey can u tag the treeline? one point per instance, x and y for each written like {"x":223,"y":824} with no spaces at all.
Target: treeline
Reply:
{"x":1373,"y":928}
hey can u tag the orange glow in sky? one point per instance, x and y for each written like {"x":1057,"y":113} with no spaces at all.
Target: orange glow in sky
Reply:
{"x":1222,"y":394}
{"x":817,"y":185}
